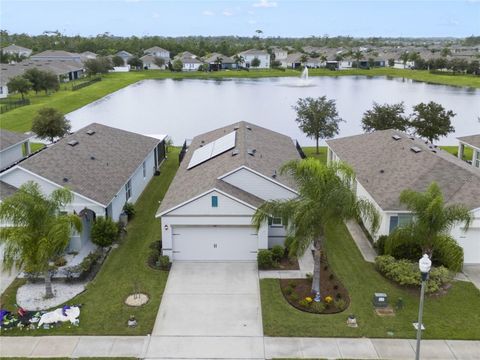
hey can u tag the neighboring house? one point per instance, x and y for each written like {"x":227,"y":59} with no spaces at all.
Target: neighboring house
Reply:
{"x":57,"y":55}
{"x":125,"y":55}
{"x":261,"y":55}
{"x":86,"y":55}
{"x":17,"y":50}
{"x":473,"y":142}
{"x":13,"y":147}
{"x":388,"y":162}
{"x":158,"y":52}
{"x":189,"y":61}
{"x":279,"y":53}
{"x":104,"y":167}
{"x":292,"y":61}
{"x":226,"y":62}
{"x":149,"y":62}
{"x":226,"y":174}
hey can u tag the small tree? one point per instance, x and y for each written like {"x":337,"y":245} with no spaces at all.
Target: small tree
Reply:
{"x":219,"y":62}
{"x":50,"y":82}
{"x":255,"y":62}
{"x":96,"y":66}
{"x":135,"y":62}
{"x":50,"y":123}
{"x":118,"y":61}
{"x":177,"y":65}
{"x":405,"y":57}
{"x":317,"y":118}
{"x":104,"y":232}
{"x":383,"y":117}
{"x":38,"y":230}
{"x":19,"y":84}
{"x":431,"y":121}
{"x":36,"y":78}
{"x":160,"y":62}
{"x":391,"y":62}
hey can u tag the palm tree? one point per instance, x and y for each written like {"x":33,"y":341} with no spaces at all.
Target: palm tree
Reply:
{"x":405,"y":57}
{"x":37,"y":230}
{"x":431,"y":224}
{"x":218,"y":62}
{"x":239,"y":60}
{"x":358,"y":55}
{"x":325,"y":198}
{"x":304,"y":59}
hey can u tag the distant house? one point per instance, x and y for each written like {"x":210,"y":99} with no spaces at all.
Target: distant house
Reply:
{"x":88,"y":55}
{"x":13,"y":147}
{"x":279,"y":53}
{"x":158,"y":52}
{"x":190,"y":61}
{"x":125,"y":55}
{"x":17,"y":50}
{"x":149,"y":62}
{"x":226,"y":62}
{"x":225,"y":176}
{"x":292,"y":61}
{"x":262,"y":55}
{"x":58,"y":55}
{"x":473,"y":142}
{"x":103,"y":166}
{"x":388,"y":162}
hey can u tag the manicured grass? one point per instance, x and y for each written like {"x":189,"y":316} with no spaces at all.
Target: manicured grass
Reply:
{"x":467,"y":153}
{"x":103,"y":310}
{"x":453,"y":316}
{"x":66,"y":100}
{"x":311,"y":151}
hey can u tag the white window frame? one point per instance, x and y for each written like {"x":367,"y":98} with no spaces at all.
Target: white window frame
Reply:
{"x":128,"y":189}
{"x":276,"y":223}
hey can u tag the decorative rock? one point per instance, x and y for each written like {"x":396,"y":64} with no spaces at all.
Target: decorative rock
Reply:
{"x":136,"y":299}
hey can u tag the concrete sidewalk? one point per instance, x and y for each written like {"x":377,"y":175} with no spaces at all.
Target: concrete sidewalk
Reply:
{"x":163,"y":347}
{"x":361,"y":241}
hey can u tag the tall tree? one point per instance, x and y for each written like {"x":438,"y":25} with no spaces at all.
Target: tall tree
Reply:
{"x":325,"y":199}
{"x":38,"y":230}
{"x":218,"y":62}
{"x":405,"y":57}
{"x":135,"y":62}
{"x":50,"y":123}
{"x":317,"y":118}
{"x":49,"y":82}
{"x":117,"y":61}
{"x":431,"y":224}
{"x":358,"y":55}
{"x":383,"y":117}
{"x":239,"y":60}
{"x":431,"y":121}
{"x":36,"y":78}
{"x":20,"y":85}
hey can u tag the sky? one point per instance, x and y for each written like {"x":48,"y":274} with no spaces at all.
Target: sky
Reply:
{"x":357,"y":18}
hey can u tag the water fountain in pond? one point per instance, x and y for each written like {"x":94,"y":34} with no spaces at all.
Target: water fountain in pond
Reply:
{"x":303,"y":81}
{"x":304,"y":75}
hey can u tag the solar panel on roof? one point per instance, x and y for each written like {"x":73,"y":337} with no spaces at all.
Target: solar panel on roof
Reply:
{"x":212,"y":149}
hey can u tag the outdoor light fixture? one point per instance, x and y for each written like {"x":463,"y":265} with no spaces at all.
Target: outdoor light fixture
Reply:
{"x":165,"y":227}
{"x":424,"y":265}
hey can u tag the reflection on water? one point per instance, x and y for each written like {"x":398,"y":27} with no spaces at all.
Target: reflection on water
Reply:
{"x":185,"y":108}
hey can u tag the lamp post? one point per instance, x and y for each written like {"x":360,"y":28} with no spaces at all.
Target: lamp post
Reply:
{"x":424,"y":264}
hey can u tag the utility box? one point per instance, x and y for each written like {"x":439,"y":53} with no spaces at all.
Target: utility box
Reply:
{"x":380,"y":300}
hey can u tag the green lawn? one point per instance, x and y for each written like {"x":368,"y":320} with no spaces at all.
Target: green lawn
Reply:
{"x":66,"y":100}
{"x":453,"y":316}
{"x":311,"y":151}
{"x":103,"y":310}
{"x":467,"y":154}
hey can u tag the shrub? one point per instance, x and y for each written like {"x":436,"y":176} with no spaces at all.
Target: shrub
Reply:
{"x":379,"y":245}
{"x":164,"y":262}
{"x":153,"y":258}
{"x":294,"y":297}
{"x":156,"y":245}
{"x":449,"y":254}
{"x":406,"y":273}
{"x":60,"y":261}
{"x":304,"y":303}
{"x":318,"y":307}
{"x":278,"y":251}
{"x":288,"y":290}
{"x":292,"y":283}
{"x":129,"y":209}
{"x":340,"y":304}
{"x":265,"y":259}
{"x":104,"y":232}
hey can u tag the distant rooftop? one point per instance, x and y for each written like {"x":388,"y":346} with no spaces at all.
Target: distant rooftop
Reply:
{"x":10,"y":138}
{"x":472,"y":140}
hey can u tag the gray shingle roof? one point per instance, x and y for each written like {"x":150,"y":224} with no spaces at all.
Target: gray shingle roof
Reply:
{"x":154,"y":49}
{"x":10,"y":138}
{"x":116,"y":155}
{"x":385,"y":167}
{"x":6,"y":190}
{"x":16,"y":48}
{"x":272,"y":151}
{"x":473,"y":140}
{"x":211,"y":58}
{"x":254,"y":52}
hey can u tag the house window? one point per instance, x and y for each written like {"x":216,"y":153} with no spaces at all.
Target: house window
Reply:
{"x":214,"y":201}
{"x":276,"y":222}
{"x":400,"y":220}
{"x":144,"y":170}
{"x":128,"y":189}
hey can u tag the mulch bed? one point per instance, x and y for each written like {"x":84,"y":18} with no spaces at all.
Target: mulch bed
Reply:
{"x":330,"y":285}
{"x":287,"y":264}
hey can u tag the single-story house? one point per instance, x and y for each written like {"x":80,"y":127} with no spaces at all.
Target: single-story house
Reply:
{"x":388,"y":162}
{"x":262,"y":55}
{"x":225,"y":63}
{"x":158,"y":52}
{"x":190,"y":61}
{"x":104,"y":167}
{"x":13,"y":147}
{"x":225,"y":175}
{"x":473,"y":142}
{"x":17,"y":50}
{"x":56,"y":55}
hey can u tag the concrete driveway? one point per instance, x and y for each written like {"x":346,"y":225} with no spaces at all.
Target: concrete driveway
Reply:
{"x":209,"y":310}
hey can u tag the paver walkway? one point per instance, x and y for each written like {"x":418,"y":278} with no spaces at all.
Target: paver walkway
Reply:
{"x":161,"y":347}
{"x":361,"y":241}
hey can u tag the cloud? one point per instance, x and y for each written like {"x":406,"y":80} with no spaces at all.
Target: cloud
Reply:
{"x":265,"y":4}
{"x":208,"y":13}
{"x":227,"y":13}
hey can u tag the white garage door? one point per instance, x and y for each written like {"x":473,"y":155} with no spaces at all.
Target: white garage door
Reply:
{"x":215,"y":243}
{"x":470,"y":242}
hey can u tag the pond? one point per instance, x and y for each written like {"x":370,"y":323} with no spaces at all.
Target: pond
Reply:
{"x":186,"y":108}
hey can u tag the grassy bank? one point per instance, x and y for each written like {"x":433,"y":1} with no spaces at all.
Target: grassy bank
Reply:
{"x":103,"y":310}
{"x":66,"y":100}
{"x":452,"y":316}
